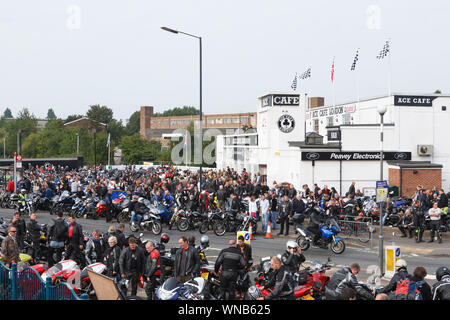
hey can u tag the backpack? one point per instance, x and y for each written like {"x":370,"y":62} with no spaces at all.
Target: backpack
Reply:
{"x":59,"y":230}
{"x":409,"y":290}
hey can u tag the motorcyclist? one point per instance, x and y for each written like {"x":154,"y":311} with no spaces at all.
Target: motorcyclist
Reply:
{"x":346,"y":278}
{"x":111,"y":257}
{"x":152,"y":269}
{"x":406,"y":223}
{"x":441,"y":289}
{"x":168,"y":198}
{"x":401,"y":274}
{"x":57,"y":237}
{"x":34,"y":229}
{"x":21,"y":228}
{"x":235,"y":204}
{"x":192,"y":204}
{"x":419,"y":220}
{"x":292,"y":258}
{"x":232,"y":262}
{"x":281,"y":280}
{"x":132,"y":263}
{"x":204,"y":199}
{"x":315,"y":221}
{"x":246,"y":251}
{"x":95,"y":248}
{"x":134,"y":209}
{"x":22,"y":196}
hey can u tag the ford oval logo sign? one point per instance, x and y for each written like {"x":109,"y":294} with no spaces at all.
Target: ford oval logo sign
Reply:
{"x":312,"y":156}
{"x":400,"y":156}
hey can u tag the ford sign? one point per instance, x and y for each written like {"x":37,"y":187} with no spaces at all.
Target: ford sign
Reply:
{"x":312,"y":156}
{"x":400,"y":156}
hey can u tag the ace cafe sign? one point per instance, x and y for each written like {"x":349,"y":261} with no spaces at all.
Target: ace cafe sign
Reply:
{"x":281,"y":100}
{"x":414,"y":101}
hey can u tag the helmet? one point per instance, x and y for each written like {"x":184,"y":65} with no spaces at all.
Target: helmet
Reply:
{"x":291,"y":244}
{"x":204,"y":241}
{"x":253,"y":293}
{"x":135,"y":196}
{"x":141,"y":200}
{"x":401,"y":264}
{"x":442,"y":271}
{"x":165,"y":238}
{"x":23,"y":191}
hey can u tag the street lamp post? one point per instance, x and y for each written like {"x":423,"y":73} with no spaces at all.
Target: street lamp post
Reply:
{"x":381,"y":110}
{"x":78,"y":144}
{"x":200,"y":103}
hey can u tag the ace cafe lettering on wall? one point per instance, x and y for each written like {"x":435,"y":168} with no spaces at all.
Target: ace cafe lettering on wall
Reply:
{"x":331,"y":111}
{"x":414,"y":101}
{"x":280,"y":100}
{"x":355,"y":156}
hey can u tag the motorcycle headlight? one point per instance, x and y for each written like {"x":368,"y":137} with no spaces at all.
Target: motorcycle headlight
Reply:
{"x":146,"y":217}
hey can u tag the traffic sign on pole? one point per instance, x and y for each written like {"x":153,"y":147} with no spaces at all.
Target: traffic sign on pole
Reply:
{"x":382,"y":190}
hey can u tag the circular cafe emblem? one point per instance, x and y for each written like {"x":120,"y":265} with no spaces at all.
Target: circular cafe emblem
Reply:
{"x":286,"y":123}
{"x":400,"y":156}
{"x":312,"y":156}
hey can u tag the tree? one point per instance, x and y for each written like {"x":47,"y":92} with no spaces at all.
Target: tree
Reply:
{"x":51,"y":114}
{"x":73,"y":117}
{"x":437,"y":91}
{"x":99,"y":113}
{"x":135,"y":149}
{"x":7,"y":114}
{"x":134,"y":124}
{"x":185,"y":111}
{"x":116,"y":129}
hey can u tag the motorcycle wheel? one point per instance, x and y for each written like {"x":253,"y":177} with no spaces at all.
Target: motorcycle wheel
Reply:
{"x":219,"y":228}
{"x":79,"y":214}
{"x":134,"y":228}
{"x":204,"y":227}
{"x":183,"y":224}
{"x":157,"y":228}
{"x":303,"y":243}
{"x":338,"y":247}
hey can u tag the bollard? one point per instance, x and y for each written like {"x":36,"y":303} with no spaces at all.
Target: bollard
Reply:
{"x":14,"y":281}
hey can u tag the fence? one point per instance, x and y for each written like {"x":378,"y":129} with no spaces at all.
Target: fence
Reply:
{"x":360,"y":229}
{"x":27,"y":284}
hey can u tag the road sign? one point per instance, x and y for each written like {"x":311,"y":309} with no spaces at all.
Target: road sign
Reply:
{"x":19,"y":164}
{"x":382,"y":190}
{"x":19,"y":157}
{"x":246,"y":235}
{"x":392,"y":254}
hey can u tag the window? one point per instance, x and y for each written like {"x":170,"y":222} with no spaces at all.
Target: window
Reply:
{"x":316,"y":125}
{"x":244,"y":120}
{"x":180,"y":122}
{"x":187,"y":122}
{"x":159,"y":122}
{"x":210,"y":121}
{"x":329,"y":121}
{"x":166,"y":122}
{"x":346,"y":118}
{"x":219,"y":120}
{"x":227,"y":120}
{"x":235,"y":120}
{"x":173,"y":122}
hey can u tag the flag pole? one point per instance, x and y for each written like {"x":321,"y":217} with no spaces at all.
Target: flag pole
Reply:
{"x":109,"y":149}
{"x":334,"y":96}
{"x":357,"y":81}
{"x":389,"y":68}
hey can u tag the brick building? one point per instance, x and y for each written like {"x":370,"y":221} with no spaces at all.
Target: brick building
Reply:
{"x":86,"y":123}
{"x":154,"y":127}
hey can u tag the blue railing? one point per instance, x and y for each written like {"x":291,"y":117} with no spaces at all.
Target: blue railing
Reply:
{"x":28,"y":285}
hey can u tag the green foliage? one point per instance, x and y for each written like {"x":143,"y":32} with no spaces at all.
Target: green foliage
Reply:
{"x":73,"y":117}
{"x":99,"y":113}
{"x":7,"y":113}
{"x":134,"y":124}
{"x":185,"y":111}
{"x":135,"y":149}
{"x":437,"y":91}
{"x":116,"y":129}
{"x":51,"y":114}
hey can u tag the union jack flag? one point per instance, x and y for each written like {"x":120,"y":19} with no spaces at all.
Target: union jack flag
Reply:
{"x":332,"y":71}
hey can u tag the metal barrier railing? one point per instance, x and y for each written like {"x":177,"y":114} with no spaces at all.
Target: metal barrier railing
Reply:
{"x":28,"y":285}
{"x":356,"y":229}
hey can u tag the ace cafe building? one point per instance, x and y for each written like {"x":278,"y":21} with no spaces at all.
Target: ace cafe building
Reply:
{"x":299,"y":140}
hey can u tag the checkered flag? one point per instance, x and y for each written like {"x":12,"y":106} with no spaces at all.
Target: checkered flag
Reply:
{"x":306,"y":74}
{"x":294,"y":83}
{"x":354,"y":61}
{"x":384,"y":51}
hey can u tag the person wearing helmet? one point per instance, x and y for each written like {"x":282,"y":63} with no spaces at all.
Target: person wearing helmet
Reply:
{"x":292,"y":258}
{"x":441,"y":289}
{"x":134,"y":209}
{"x":400,"y":275}
{"x":22,"y":196}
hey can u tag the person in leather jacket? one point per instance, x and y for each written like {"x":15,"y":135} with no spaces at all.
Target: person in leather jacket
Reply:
{"x":285,"y":211}
{"x":235,"y":204}
{"x":315,"y":220}
{"x":406,"y":223}
{"x":111,"y":257}
{"x":441,"y":289}
{"x":34,"y":230}
{"x":401,"y":274}
{"x":187,"y":261}
{"x":95,"y":248}
{"x":152,"y":269}
{"x":419,"y":220}
{"x":281,"y":280}
{"x":192,"y":204}
{"x":21,"y":228}
{"x":293,"y":257}
{"x":346,"y":278}
{"x":232,"y":262}
{"x":132,"y":263}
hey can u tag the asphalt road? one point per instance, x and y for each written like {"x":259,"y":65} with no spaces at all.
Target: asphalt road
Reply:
{"x":261,"y":247}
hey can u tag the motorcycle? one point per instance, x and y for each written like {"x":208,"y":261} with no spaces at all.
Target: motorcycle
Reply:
{"x":193,"y":289}
{"x":209,"y":222}
{"x":176,"y":216}
{"x":230,"y":223}
{"x":191,"y":220}
{"x":328,"y":238}
{"x":43,"y":248}
{"x":312,"y":281}
{"x":149,"y":222}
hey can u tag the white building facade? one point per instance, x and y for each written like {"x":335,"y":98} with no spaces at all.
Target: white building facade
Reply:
{"x":335,"y":145}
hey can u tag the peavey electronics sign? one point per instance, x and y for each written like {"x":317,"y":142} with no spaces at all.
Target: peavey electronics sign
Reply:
{"x":280,"y":100}
{"x":354,"y":155}
{"x":414,"y":101}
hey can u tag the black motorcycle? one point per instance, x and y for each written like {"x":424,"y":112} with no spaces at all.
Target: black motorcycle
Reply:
{"x":231,"y":223}
{"x":191,"y":220}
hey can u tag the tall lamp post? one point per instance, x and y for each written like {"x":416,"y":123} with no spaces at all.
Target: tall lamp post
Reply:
{"x":381,"y":110}
{"x":201,"y":119}
{"x":78,"y":143}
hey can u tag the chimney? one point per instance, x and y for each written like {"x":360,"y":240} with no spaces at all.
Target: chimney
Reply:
{"x":316,"y":102}
{"x":145,"y":120}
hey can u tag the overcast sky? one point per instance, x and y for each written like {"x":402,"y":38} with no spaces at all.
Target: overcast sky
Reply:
{"x":70,"y":54}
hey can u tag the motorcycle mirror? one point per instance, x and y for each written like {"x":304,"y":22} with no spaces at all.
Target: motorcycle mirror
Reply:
{"x":141,"y":235}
